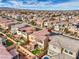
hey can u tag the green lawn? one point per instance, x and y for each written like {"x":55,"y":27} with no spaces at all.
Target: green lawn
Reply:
{"x":9,"y":43}
{"x":20,"y":42}
{"x":37,"y":51}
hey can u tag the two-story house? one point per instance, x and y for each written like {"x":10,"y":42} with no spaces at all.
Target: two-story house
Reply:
{"x":41,"y":37}
{"x":61,"y":47}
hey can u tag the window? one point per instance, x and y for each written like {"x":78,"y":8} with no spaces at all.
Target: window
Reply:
{"x":66,"y":51}
{"x":24,"y":30}
{"x":51,"y":52}
{"x":70,"y":53}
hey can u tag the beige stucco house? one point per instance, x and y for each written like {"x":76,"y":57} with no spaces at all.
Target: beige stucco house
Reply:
{"x":61,"y":47}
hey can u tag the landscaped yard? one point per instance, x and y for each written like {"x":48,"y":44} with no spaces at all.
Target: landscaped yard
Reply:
{"x":20,"y":42}
{"x":9,"y":43}
{"x":37,"y":51}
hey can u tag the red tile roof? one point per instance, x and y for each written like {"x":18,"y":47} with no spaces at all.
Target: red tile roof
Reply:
{"x":27,"y":29}
{"x":41,"y":35}
{"x":7,"y":22}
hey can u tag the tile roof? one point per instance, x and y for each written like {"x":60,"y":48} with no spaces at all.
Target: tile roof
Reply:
{"x":19,"y":25}
{"x":65,"y":42}
{"x":4,"y":54}
{"x":14,"y":52}
{"x":27,"y":29}
{"x":7,"y":22}
{"x":41,"y":35}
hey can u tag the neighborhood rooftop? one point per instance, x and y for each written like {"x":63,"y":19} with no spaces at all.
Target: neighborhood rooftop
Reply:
{"x":4,"y":54}
{"x":65,"y":42}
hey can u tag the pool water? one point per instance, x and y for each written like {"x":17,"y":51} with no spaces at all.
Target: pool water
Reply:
{"x":46,"y":58}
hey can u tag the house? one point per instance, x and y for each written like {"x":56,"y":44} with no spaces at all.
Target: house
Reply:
{"x":39,"y":23}
{"x":5,"y":23}
{"x":43,"y":23}
{"x":54,"y":49}
{"x":77,"y":26}
{"x":56,"y":27}
{"x":72,"y":28}
{"x":41,"y":37}
{"x":61,"y":47}
{"x":25,"y":31}
{"x":15,"y":27}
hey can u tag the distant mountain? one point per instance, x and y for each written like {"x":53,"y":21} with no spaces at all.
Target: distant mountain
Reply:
{"x":8,"y":8}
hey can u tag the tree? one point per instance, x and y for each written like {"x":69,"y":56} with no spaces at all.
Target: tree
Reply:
{"x":33,"y":23}
{"x":66,"y":30}
{"x":75,"y":34}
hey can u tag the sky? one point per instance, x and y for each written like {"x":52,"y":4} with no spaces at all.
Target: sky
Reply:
{"x":41,"y":4}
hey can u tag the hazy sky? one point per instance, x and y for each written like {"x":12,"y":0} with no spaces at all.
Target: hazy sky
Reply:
{"x":41,"y":4}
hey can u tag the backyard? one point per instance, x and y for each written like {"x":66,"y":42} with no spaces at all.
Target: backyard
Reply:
{"x":37,"y":51}
{"x":20,"y":41}
{"x":8,"y":43}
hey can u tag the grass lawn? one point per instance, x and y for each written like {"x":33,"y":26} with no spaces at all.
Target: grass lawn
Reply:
{"x":9,"y":43}
{"x":37,"y":51}
{"x":20,"y":42}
